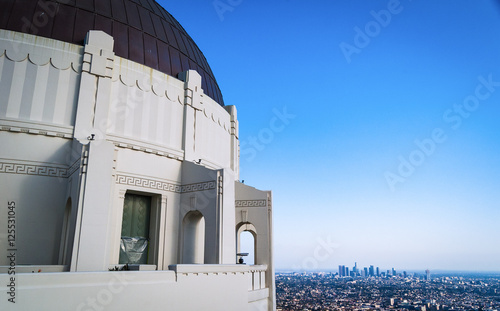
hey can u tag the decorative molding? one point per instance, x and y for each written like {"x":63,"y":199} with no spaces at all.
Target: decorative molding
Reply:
{"x":74,"y":167}
{"x":162,"y":85}
{"x":208,"y":185}
{"x":164,"y":186}
{"x":39,"y":59}
{"x":20,"y":47}
{"x":159,"y":83}
{"x":31,"y":169}
{"x":34,"y":131}
{"x":148,"y":150}
{"x":98,"y":58}
{"x":147,"y":183}
{"x":221,"y":184}
{"x":121,"y":193}
{"x":251,"y":203}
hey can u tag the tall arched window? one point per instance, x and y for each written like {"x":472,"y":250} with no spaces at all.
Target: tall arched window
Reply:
{"x":193,"y":236}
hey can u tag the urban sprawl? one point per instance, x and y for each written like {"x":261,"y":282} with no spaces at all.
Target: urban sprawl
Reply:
{"x":370,"y":289}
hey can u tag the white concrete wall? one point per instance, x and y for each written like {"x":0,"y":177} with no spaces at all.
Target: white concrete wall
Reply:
{"x":34,"y":173}
{"x":207,"y":288}
{"x":254,"y":212}
{"x":39,"y":80}
{"x":146,"y":107}
{"x":141,"y":131}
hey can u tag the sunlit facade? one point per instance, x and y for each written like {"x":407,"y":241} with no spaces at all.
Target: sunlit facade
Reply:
{"x":118,"y":153}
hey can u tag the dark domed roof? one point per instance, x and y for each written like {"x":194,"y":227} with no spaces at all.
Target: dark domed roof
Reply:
{"x":144,"y":32}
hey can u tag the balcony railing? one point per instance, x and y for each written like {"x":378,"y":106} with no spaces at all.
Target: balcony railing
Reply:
{"x":257,"y":278}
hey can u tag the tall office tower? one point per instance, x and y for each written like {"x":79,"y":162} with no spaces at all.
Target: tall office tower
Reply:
{"x":366,"y":271}
{"x":355,"y":268}
{"x":404,"y":274}
{"x":346,"y":271}
{"x":378,"y":271}
{"x":427,"y":275}
{"x":341,"y":270}
{"x":388,"y":272}
{"x":393,"y":272}
{"x":372,"y":271}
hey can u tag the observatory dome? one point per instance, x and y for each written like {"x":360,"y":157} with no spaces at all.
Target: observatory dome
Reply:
{"x":144,"y":32}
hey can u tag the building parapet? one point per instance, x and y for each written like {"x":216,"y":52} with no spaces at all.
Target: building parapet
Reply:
{"x":216,"y":269}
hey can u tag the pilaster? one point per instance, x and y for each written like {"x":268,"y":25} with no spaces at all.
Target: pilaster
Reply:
{"x":96,"y":210}
{"x":95,"y":86}
{"x":192,"y":102}
{"x":235,"y":143}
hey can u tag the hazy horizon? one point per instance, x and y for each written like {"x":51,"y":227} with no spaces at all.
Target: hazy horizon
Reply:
{"x":401,"y":270}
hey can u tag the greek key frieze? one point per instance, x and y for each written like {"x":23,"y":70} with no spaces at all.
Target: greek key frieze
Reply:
{"x":209,"y":185}
{"x":162,"y":185}
{"x":32,"y":169}
{"x":251,"y":203}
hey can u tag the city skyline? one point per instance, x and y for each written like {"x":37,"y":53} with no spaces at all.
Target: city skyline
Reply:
{"x":375,"y":124}
{"x":372,"y":270}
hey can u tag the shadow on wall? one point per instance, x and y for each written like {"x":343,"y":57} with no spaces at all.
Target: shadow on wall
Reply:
{"x":193,"y":238}
{"x":45,"y":195}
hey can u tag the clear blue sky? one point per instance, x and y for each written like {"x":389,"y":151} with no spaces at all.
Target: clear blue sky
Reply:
{"x":349,"y":179}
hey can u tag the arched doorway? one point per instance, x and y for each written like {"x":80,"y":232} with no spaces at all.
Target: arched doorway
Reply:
{"x":247,"y":245}
{"x":246,"y":242}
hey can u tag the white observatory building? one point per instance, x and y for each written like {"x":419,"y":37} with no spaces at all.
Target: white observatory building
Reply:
{"x":119,"y":166}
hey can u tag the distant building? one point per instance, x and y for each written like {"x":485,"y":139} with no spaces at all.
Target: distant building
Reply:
{"x":372,"y":271}
{"x":378,"y":271}
{"x":427,"y":275}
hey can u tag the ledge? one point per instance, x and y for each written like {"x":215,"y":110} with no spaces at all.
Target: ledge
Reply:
{"x":133,"y":267}
{"x":35,"y":269}
{"x":216,"y":268}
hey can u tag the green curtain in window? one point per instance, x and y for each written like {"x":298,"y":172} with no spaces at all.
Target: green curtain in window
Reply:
{"x":135,"y":229}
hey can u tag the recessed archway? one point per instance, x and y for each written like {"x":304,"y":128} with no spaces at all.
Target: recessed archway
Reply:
{"x":247,"y":245}
{"x":193,"y":238}
{"x":246,"y":242}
